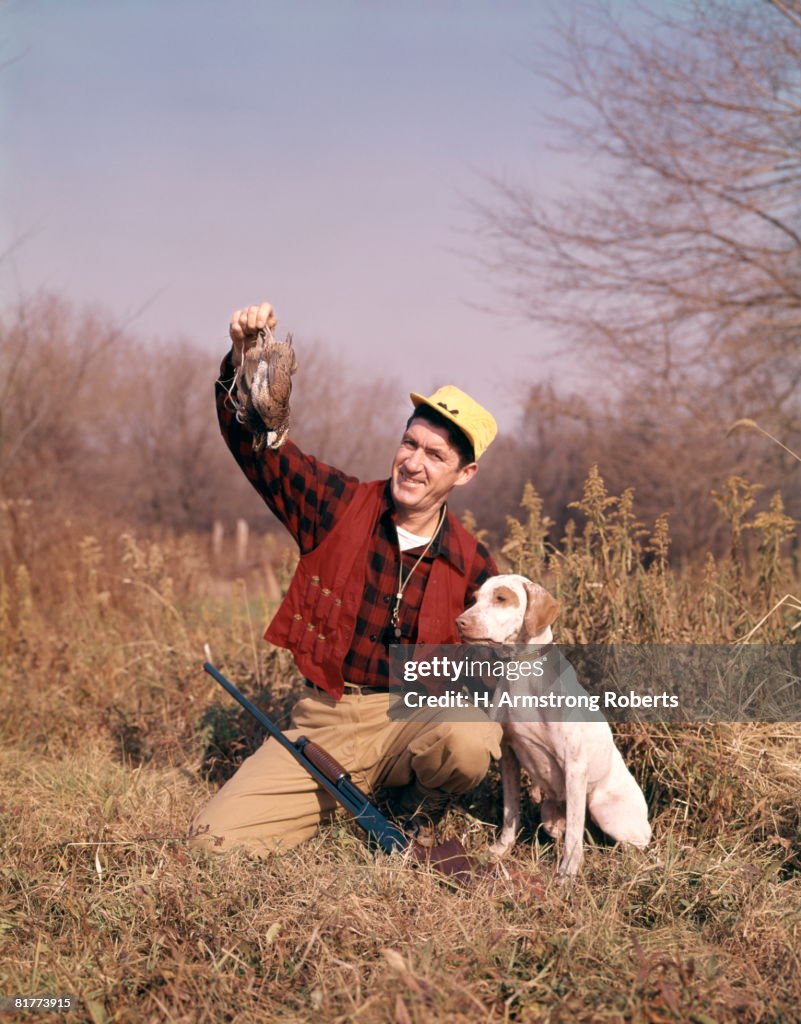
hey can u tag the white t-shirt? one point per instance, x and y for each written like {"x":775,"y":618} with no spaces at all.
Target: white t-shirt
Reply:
{"x":407,"y":540}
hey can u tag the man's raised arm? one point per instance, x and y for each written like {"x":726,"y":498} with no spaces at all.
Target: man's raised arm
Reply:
{"x":305,"y":494}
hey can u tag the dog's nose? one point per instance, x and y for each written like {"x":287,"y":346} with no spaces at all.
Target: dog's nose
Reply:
{"x":463,"y":621}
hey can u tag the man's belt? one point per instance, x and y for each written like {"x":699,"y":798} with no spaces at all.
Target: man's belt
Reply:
{"x":363,"y":688}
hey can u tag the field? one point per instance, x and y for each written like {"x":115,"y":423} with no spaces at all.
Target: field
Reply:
{"x":112,"y":736}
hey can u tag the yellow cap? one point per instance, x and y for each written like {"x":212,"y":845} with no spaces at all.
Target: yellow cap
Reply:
{"x":471,"y":418}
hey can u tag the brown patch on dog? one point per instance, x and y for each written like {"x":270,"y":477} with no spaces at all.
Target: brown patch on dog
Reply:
{"x":505,"y":595}
{"x":542,"y":609}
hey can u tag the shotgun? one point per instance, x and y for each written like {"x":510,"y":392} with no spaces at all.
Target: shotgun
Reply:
{"x":448,"y":858}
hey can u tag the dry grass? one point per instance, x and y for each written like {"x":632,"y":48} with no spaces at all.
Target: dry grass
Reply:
{"x":112,"y":736}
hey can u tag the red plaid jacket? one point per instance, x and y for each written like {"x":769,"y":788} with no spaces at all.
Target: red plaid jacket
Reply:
{"x":308,"y":496}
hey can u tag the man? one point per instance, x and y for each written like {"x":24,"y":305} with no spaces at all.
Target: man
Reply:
{"x":381,"y":562}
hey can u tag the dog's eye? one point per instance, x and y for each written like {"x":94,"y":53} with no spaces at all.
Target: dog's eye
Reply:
{"x":500,"y":599}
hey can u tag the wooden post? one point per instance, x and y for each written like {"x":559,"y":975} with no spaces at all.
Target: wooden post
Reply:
{"x":242,"y":533}
{"x":217,"y":533}
{"x":271,"y":586}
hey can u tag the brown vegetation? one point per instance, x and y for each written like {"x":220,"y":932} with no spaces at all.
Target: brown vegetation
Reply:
{"x":112,"y":735}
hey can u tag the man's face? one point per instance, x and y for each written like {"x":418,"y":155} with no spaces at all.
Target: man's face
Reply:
{"x":426,"y":468}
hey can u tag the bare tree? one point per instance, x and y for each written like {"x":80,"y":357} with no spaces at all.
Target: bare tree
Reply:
{"x":49,"y":364}
{"x":688,"y":252}
{"x":679,"y":270}
{"x":344,"y":416}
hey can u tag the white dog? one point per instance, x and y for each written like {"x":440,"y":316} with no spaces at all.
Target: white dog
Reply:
{"x":573,"y":765}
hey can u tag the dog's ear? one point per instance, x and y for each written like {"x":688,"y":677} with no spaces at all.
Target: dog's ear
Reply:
{"x":541,"y":610}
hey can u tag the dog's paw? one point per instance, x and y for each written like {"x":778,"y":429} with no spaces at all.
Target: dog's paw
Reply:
{"x":499,"y":850}
{"x":569,"y":867}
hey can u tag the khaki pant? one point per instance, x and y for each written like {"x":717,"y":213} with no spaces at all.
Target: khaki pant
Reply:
{"x":271,"y":802}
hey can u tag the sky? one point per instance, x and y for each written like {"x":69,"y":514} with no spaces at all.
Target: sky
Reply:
{"x":194,"y":157}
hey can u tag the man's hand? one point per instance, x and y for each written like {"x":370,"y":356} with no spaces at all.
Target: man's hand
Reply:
{"x":245,"y":326}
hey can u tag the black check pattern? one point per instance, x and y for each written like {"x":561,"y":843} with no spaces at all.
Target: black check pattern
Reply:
{"x":308,"y":496}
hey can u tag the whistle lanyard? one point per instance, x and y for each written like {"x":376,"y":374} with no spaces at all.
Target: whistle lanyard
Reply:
{"x":402,"y":582}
